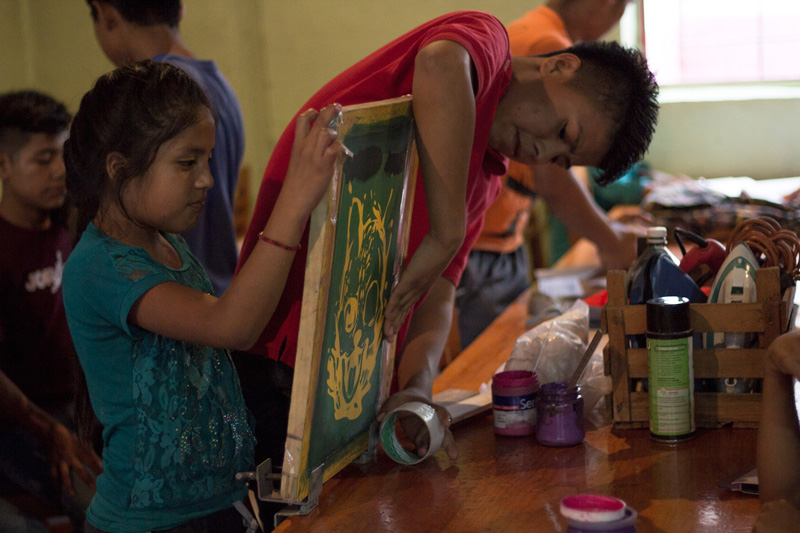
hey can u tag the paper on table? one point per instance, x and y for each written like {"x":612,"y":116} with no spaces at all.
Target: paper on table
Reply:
{"x":563,"y":283}
{"x":561,"y":287}
{"x":462,"y":404}
{"x":747,"y":483}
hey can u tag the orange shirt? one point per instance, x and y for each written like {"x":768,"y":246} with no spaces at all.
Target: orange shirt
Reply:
{"x":539,"y":31}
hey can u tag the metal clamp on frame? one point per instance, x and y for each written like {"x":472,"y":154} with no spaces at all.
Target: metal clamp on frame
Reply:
{"x":268,"y":490}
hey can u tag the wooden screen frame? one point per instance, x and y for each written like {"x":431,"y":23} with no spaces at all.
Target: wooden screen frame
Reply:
{"x":310,"y":364}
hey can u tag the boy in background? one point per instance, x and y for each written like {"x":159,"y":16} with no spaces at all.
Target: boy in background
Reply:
{"x":37,"y":358}
{"x":129,"y":31}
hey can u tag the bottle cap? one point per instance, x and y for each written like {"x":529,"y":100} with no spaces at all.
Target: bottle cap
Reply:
{"x":657,"y":233}
{"x":668,"y":314}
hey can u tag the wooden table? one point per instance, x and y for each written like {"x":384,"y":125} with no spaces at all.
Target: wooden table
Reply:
{"x":514,"y":484}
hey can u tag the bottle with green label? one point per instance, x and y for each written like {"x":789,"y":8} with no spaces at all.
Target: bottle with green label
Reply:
{"x":670,"y":370}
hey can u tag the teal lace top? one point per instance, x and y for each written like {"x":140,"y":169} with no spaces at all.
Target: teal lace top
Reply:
{"x":175,"y":427}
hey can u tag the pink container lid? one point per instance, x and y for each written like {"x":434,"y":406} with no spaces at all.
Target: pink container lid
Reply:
{"x":592,"y":508}
{"x":514,"y":378}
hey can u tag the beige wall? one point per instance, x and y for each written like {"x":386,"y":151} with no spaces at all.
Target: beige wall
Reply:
{"x":756,"y":138}
{"x":276,"y":54}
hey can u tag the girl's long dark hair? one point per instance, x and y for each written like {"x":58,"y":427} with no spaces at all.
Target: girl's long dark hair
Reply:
{"x":130,"y":111}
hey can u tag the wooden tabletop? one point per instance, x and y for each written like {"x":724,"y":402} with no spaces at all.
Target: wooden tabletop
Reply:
{"x":515,"y":484}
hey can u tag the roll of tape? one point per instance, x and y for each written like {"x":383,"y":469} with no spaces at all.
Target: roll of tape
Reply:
{"x":392,"y":445}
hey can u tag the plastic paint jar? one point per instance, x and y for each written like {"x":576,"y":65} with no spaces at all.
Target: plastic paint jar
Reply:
{"x":595,"y":513}
{"x":559,"y":413}
{"x":514,"y":402}
{"x":670,"y":369}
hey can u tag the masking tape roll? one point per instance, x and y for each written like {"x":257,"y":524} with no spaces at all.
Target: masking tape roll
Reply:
{"x":392,"y":445}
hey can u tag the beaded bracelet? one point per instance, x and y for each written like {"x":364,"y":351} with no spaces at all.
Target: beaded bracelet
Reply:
{"x":279,"y":244}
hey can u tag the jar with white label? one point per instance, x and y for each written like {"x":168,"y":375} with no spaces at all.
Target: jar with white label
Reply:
{"x":514,"y":402}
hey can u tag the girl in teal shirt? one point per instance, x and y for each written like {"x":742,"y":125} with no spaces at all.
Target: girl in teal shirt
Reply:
{"x":151,"y":337}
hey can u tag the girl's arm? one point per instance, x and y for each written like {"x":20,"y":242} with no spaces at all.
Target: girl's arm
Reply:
{"x":444,"y":114}
{"x":237,"y":318}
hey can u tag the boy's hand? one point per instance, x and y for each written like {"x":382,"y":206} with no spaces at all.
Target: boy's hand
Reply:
{"x":66,"y":452}
{"x":414,"y":428}
{"x":621,"y":252}
{"x":422,"y":271}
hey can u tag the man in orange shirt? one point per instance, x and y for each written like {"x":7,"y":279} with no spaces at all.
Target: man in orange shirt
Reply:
{"x":497,"y":269}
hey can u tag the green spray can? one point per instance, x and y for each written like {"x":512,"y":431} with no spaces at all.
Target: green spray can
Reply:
{"x":670,"y":369}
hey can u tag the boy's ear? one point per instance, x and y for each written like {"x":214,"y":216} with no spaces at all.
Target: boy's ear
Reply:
{"x":107,"y":15}
{"x":560,"y":65}
{"x":5,"y":166}
{"x":114,"y":163}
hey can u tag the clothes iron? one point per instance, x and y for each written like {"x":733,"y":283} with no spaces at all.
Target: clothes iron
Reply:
{"x":735,"y":283}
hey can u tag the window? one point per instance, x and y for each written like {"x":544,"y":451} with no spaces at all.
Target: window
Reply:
{"x":717,"y":41}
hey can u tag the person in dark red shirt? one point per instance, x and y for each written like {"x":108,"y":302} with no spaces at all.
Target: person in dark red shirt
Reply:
{"x":37,"y":358}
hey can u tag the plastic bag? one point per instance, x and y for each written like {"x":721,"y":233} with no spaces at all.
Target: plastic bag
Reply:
{"x":554,"y":348}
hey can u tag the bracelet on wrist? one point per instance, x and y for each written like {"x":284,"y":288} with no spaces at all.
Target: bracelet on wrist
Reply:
{"x":279,"y":244}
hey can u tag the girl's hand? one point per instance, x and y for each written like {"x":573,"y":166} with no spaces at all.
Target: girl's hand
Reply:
{"x":313,"y":159}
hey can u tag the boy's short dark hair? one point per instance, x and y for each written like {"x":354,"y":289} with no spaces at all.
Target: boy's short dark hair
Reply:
{"x":25,"y":113}
{"x":622,"y":87}
{"x":145,"y":12}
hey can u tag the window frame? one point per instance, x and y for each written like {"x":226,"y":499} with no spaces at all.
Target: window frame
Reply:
{"x":632,"y":35}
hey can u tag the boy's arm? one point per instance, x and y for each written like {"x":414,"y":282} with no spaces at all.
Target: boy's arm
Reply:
{"x":65,"y":451}
{"x":571,"y":203}
{"x":419,"y":361}
{"x":444,"y":115}
{"x":779,"y":433}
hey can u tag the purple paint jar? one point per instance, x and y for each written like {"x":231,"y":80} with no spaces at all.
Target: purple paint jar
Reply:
{"x":514,"y":402}
{"x":559,"y":412}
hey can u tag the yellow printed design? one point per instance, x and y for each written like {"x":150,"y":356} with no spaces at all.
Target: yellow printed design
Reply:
{"x":361,"y":302}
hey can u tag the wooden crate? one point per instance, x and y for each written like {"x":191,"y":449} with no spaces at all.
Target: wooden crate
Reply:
{"x":767,"y":317}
